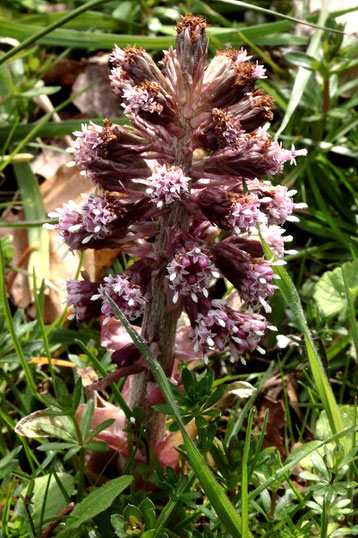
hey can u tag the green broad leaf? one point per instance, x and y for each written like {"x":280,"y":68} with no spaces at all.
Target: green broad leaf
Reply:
{"x":53,"y":431}
{"x":105,"y":424}
{"x":306,"y":475}
{"x":117,"y":522}
{"x":330,"y":292}
{"x":132,"y":510}
{"x":320,"y":466}
{"x":72,"y":452}
{"x":96,"y":502}
{"x":216,"y":396}
{"x":55,"y":446}
{"x":349,"y":418}
{"x":47,"y":492}
{"x":301,"y":59}
{"x":305,"y":461}
{"x":163,"y":408}
{"x":61,"y":391}
{"x":200,"y":422}
{"x":41,"y":90}
{"x":147,"y":508}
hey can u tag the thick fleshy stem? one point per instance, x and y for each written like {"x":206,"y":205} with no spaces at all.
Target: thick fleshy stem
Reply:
{"x":158,"y":326}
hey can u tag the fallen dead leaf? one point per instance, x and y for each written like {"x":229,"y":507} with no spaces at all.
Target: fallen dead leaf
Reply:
{"x":275,"y":423}
{"x":99,"y":99}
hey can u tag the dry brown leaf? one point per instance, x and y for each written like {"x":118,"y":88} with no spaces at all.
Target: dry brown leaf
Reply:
{"x":275,"y":423}
{"x":99,"y":99}
{"x":64,"y":184}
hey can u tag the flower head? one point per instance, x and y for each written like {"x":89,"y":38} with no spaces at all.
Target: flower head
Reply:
{"x":79,"y":294}
{"x":251,"y":276}
{"x":166,"y":185}
{"x":96,"y":223}
{"x":127,"y":296}
{"x":189,"y":273}
{"x":216,"y":325}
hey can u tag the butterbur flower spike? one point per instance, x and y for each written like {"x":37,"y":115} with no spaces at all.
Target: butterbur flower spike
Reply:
{"x":155,"y":201}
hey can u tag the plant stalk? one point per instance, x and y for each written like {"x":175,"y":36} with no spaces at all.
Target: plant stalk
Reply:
{"x":158,"y":326}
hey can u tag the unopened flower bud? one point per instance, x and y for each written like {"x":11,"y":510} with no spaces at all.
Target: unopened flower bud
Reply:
{"x":79,"y":298}
{"x":192,"y":47}
{"x":136,"y":64}
{"x":111,"y":154}
{"x":251,"y":277}
{"x":127,"y":296}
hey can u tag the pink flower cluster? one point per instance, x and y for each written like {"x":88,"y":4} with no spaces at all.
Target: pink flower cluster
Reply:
{"x":148,"y":172}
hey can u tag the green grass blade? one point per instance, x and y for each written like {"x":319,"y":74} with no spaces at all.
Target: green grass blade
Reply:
{"x":319,"y":26}
{"x":223,"y":507}
{"x":89,"y":19}
{"x":245,"y":478}
{"x":25,"y":223}
{"x":77,"y":39}
{"x":17,"y":344}
{"x":351,"y":310}
{"x":34,"y":210}
{"x":342,"y":236}
{"x":42,"y":326}
{"x":303,"y":74}
{"x":43,"y":31}
{"x":323,"y":387}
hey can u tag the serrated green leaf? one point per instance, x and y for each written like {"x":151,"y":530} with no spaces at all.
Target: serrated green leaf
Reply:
{"x":8,"y":463}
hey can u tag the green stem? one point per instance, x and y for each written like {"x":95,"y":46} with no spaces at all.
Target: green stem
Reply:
{"x":81,"y":470}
